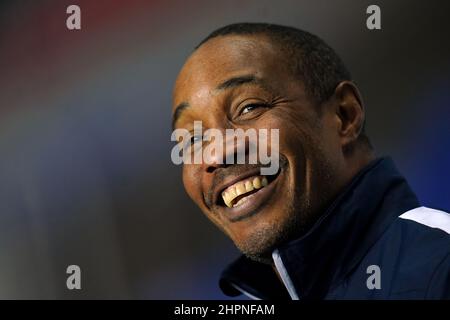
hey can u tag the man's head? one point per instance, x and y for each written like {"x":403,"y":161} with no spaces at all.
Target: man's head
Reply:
{"x":263,"y":76}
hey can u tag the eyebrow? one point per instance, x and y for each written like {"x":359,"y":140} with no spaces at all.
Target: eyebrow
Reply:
{"x":177,"y":113}
{"x":237,"y":81}
{"x":228,"y":84}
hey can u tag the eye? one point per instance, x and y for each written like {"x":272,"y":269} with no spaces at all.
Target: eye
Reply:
{"x":195,"y":139}
{"x":252,"y":106}
{"x":191,"y":141}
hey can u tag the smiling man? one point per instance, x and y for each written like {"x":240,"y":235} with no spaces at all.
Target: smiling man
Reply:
{"x":334,"y":221}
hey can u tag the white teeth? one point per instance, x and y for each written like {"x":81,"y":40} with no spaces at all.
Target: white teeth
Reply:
{"x":242,"y":187}
{"x":226,"y":199}
{"x":257,"y":183}
{"x":248,"y":186}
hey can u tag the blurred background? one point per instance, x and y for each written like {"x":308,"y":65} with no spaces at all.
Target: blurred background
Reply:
{"x":85,"y":170}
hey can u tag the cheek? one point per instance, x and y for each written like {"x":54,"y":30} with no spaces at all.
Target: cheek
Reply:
{"x":291,"y":132}
{"x":191,"y":182}
{"x":300,"y":140}
{"x":193,"y":187}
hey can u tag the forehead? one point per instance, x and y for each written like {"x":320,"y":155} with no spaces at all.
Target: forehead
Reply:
{"x":225,"y":57}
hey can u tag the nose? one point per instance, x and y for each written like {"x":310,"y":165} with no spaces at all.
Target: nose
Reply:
{"x":225,"y":151}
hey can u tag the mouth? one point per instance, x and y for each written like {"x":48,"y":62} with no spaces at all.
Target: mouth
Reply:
{"x":246,"y":195}
{"x":237,"y":194}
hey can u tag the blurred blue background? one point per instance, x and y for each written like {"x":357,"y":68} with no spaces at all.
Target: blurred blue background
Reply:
{"x":85,"y":170}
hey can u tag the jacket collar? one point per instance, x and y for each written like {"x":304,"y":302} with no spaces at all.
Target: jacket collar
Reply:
{"x":335,"y":244}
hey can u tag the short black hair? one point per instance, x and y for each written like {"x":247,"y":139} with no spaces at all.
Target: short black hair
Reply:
{"x":315,"y":62}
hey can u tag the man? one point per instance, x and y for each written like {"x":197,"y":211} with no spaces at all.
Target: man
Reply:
{"x":334,"y":222}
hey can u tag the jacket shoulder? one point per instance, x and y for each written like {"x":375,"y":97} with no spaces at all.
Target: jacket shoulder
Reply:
{"x":413,"y":256}
{"x":429,"y":218}
{"x":421,"y":239}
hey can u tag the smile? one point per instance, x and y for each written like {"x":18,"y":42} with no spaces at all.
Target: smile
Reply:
{"x":245,"y":196}
{"x":237,"y":194}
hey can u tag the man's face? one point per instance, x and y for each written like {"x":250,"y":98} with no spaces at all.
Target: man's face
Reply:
{"x":260,"y":219}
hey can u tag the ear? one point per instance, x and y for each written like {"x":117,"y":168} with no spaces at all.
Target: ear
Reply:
{"x":349,"y":111}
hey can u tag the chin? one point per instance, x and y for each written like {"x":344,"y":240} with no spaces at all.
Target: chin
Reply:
{"x":262,"y":238}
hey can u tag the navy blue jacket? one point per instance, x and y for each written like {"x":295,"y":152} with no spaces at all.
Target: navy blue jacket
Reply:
{"x":374,"y":242}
